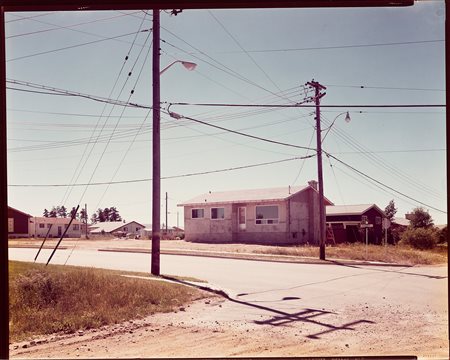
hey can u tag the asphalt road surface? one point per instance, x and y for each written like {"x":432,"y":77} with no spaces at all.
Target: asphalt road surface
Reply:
{"x":406,"y":306}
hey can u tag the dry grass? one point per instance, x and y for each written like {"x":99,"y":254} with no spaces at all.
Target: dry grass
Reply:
{"x":390,"y":254}
{"x":50,"y":299}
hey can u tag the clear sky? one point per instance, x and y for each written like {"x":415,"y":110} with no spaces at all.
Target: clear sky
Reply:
{"x":364,"y":56}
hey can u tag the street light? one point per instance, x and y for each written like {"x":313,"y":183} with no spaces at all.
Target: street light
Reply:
{"x":156,"y":145}
{"x":187,"y":64}
{"x":347,"y":119}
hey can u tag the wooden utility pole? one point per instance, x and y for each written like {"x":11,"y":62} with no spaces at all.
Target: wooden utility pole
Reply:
{"x":322,"y":223}
{"x":166,"y":216}
{"x":85,"y":220}
{"x":156,"y":182}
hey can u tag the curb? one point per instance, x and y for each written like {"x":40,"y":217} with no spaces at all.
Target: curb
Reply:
{"x":258,"y":257}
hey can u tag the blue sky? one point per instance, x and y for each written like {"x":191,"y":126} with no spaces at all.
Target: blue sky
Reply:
{"x":244,"y":57}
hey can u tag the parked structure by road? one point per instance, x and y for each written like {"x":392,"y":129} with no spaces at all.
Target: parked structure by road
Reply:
{"x":349,"y":223}
{"x":284,"y":215}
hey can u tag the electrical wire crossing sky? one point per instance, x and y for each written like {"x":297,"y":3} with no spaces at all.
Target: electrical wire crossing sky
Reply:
{"x":79,"y":97}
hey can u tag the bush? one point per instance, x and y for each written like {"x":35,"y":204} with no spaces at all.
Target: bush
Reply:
{"x":443,"y":236}
{"x":420,"y":238}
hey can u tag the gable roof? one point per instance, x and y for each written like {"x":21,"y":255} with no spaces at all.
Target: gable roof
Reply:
{"x":110,"y":226}
{"x":52,"y":220}
{"x":20,"y":212}
{"x":350,"y":209}
{"x":250,"y":195}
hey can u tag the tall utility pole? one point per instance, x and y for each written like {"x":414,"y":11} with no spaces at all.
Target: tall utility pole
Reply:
{"x":86,"y":220}
{"x":166,"y":215}
{"x":156,"y":182}
{"x":322,"y":224}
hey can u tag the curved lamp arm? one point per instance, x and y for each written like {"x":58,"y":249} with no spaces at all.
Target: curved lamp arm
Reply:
{"x":187,"y":64}
{"x":347,"y":119}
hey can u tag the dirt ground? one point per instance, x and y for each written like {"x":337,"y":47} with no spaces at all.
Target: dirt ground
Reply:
{"x":206,"y":329}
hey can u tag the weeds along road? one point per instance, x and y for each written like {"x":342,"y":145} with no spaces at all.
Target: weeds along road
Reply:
{"x":390,"y":310}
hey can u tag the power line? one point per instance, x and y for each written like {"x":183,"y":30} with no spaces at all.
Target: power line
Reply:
{"x":382,"y":184}
{"x":68,"y":27}
{"x":72,"y":46}
{"x":176,"y":116}
{"x":301,"y":105}
{"x":336,"y":47}
{"x":167,"y":177}
{"x":385,"y":88}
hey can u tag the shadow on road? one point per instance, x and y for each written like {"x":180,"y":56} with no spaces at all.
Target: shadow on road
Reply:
{"x":389,"y":271}
{"x":282,"y":318}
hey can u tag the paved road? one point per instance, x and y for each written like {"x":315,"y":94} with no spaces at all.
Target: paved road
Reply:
{"x":405,"y":304}
{"x":317,"y":285}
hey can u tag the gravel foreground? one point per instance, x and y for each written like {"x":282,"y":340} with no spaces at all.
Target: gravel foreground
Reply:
{"x":207,"y":328}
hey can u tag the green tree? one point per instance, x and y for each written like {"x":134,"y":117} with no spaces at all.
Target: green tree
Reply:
{"x":73,"y":213}
{"x":83,"y":215}
{"x":114,"y":214}
{"x":46,"y":214}
{"x":443,"y":236}
{"x":420,"y":238}
{"x":390,"y":210}
{"x":420,"y":218}
{"x":53,"y":213}
{"x":62,"y":211}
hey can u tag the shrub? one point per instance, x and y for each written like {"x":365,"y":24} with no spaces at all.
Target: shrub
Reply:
{"x":420,"y":238}
{"x":443,"y":236}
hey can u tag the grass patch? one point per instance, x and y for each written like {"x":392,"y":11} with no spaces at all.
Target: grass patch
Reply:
{"x":45,"y":300}
{"x":391,"y":254}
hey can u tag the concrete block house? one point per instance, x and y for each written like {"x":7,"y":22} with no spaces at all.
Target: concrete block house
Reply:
{"x":349,"y":223}
{"x":285,"y":215}
{"x":54,"y":227}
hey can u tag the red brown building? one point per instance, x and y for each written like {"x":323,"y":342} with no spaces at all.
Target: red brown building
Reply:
{"x":18,"y":223}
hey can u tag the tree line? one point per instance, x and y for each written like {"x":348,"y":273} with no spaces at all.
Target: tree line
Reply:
{"x":101,"y":215}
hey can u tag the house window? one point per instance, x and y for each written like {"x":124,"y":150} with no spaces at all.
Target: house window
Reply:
{"x":217,"y":213}
{"x":198,"y":213}
{"x":76,"y":227}
{"x":125,"y":228}
{"x":10,"y":224}
{"x":364,"y":219}
{"x":137,"y":229}
{"x":49,"y":226}
{"x":41,"y":226}
{"x":267,"y":214}
{"x":378,"y":220}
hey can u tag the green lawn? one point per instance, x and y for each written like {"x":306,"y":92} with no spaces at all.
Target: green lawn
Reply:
{"x":54,"y":298}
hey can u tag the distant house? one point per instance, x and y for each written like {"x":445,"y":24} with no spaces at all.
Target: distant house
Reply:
{"x":54,"y":227}
{"x":171,"y":233}
{"x":349,"y":223}
{"x":18,"y":223}
{"x":116,"y":228}
{"x":285,"y":215}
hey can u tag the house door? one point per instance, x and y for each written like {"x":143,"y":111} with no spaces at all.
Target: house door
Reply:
{"x":59,"y":230}
{"x":242,"y":218}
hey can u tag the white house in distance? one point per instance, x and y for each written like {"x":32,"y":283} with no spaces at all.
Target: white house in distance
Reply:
{"x":116,"y":227}
{"x":53,"y":227}
{"x":285,"y":215}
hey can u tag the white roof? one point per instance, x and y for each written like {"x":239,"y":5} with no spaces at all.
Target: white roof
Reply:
{"x":109,"y":226}
{"x":401,"y":221}
{"x":251,"y":195}
{"x":350,"y":209}
{"x":52,"y":220}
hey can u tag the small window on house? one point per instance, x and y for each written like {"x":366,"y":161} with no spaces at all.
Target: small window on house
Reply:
{"x":41,"y":226}
{"x":198,"y":213}
{"x":76,"y":227}
{"x":364,"y":219}
{"x":378,"y":220}
{"x":267,"y":214}
{"x":137,"y":229}
{"x":49,"y":226}
{"x":217,"y":213}
{"x":125,"y":228}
